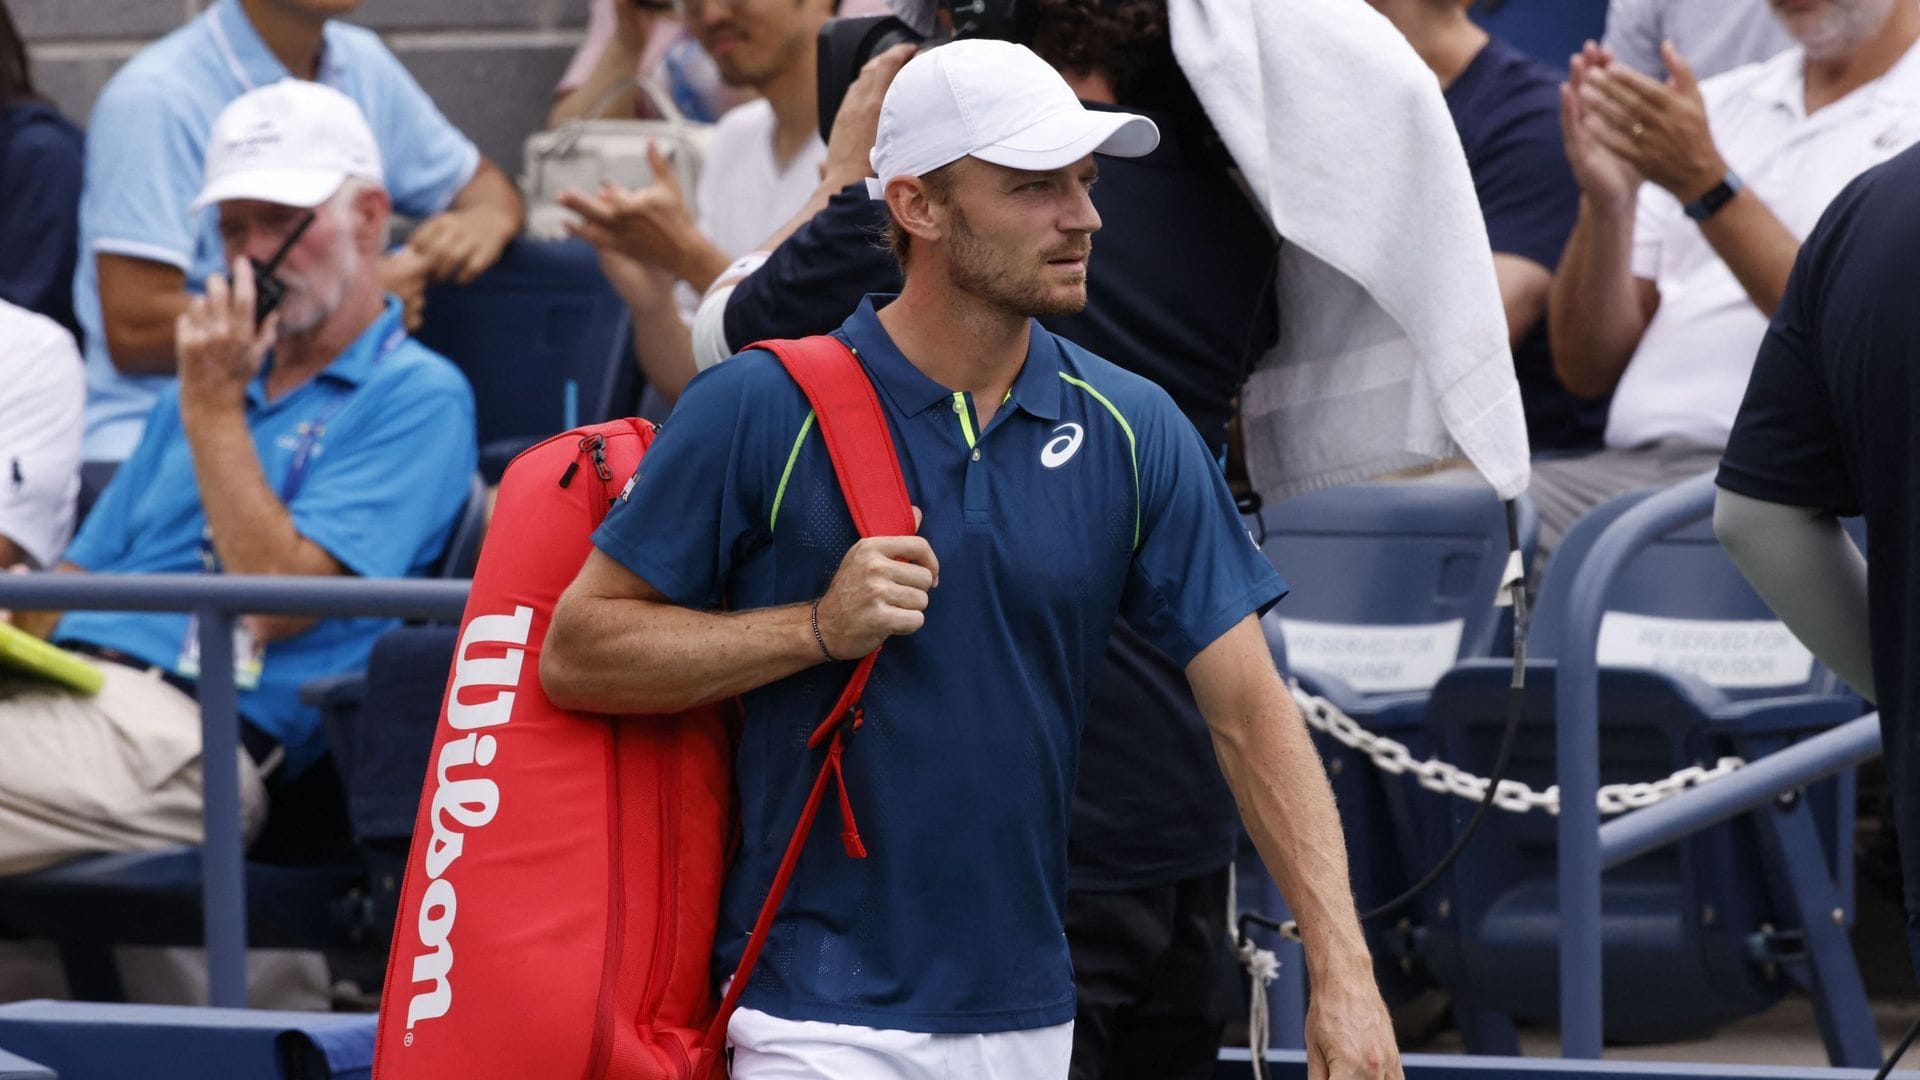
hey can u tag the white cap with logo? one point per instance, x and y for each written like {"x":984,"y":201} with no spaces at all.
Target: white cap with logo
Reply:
{"x":998,"y":102}
{"x":293,"y":142}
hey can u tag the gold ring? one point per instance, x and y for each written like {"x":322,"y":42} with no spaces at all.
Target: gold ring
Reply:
{"x":1638,"y":128}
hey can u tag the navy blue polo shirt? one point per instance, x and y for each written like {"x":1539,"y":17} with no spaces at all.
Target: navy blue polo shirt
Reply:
{"x":1085,"y":497}
{"x":1151,"y":808}
{"x":1829,"y":422}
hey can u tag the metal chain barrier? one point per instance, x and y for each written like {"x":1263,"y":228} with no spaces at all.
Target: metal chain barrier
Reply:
{"x":1393,"y":758}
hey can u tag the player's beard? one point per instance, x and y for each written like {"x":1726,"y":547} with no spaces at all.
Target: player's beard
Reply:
{"x":1019,"y":283}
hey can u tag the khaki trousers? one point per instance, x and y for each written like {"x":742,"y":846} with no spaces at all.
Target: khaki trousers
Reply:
{"x":117,"y":771}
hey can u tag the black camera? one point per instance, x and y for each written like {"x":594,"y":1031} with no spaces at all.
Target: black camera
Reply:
{"x":847,"y":44}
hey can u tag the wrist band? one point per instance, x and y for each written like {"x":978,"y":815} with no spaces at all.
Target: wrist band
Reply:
{"x":1716,"y":197}
{"x":814,"y":618}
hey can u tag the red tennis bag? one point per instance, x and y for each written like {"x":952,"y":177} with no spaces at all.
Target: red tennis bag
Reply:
{"x":558,"y":913}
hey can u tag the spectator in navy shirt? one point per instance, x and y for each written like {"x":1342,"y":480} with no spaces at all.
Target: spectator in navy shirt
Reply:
{"x":1507,"y":109}
{"x":40,"y":154}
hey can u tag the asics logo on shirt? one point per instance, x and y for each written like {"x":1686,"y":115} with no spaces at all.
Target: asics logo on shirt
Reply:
{"x":1061,"y":448}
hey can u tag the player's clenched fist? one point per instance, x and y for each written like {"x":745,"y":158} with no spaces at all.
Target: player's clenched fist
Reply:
{"x":880,"y":591}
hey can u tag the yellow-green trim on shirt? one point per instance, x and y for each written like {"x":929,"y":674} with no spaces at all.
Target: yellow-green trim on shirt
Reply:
{"x":792,"y":456}
{"x":966,"y":419}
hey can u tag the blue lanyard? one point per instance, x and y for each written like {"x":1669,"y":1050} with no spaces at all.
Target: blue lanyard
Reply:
{"x":310,"y":433}
{"x":312,"y":430}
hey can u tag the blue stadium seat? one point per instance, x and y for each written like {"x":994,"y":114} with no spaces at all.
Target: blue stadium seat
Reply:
{"x":170,"y":1042}
{"x":1693,"y":667}
{"x":381,"y":730}
{"x":463,"y":544}
{"x":541,"y":318}
{"x":1391,"y":584}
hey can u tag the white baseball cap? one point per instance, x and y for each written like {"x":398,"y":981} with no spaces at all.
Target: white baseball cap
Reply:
{"x":996,"y":101}
{"x":293,"y":142}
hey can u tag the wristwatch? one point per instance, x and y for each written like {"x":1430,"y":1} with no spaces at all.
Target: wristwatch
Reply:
{"x":1716,"y":197}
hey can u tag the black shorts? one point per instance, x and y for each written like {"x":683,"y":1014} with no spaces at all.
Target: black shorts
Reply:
{"x":1151,"y":969}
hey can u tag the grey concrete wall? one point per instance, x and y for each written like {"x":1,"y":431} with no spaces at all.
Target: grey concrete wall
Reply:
{"x":490,"y":64}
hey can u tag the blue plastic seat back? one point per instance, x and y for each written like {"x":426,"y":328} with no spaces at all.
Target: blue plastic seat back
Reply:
{"x":1391,"y":582}
{"x":1680,"y":606}
{"x":540,"y":318}
{"x":1427,"y":555}
{"x":1685,"y":636}
{"x":381,"y":747}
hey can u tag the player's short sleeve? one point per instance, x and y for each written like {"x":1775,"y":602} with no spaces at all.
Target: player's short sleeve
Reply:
{"x":1196,"y":573}
{"x":684,"y":520}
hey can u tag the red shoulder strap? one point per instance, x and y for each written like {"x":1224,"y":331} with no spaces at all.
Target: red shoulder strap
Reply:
{"x":854,"y":428}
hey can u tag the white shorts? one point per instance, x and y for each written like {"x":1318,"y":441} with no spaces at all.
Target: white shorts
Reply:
{"x":769,"y":1048}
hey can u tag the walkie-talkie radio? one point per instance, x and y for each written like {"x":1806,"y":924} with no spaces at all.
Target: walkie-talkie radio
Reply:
{"x":268,"y":289}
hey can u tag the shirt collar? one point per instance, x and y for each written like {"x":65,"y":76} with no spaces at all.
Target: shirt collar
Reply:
{"x":355,"y":363}
{"x":1036,"y":389}
{"x":246,"y":54}
{"x":1783,"y":82}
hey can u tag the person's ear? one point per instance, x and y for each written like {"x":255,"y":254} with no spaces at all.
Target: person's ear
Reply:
{"x":372,"y":208}
{"x":914,"y":209}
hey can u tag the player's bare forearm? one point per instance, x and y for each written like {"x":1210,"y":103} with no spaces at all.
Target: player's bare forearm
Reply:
{"x":1281,"y":786}
{"x":1284,"y":798}
{"x":617,"y":645}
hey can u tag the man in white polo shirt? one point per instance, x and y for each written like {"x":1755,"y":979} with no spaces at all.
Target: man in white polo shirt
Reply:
{"x":42,"y":395}
{"x":1694,"y":199}
{"x":661,"y":247}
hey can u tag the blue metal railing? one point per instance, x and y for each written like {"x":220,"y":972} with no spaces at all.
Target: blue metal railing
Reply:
{"x":1586,"y":849}
{"x":217,"y":600}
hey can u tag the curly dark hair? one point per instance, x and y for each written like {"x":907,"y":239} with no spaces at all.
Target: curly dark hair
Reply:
{"x":1125,"y":40}
{"x":1085,"y":36}
{"x":16,"y":79}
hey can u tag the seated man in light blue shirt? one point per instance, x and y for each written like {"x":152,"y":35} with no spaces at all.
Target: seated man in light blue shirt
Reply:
{"x":144,"y":251}
{"x":322,"y":441}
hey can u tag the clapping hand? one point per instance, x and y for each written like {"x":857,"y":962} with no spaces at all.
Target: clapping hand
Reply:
{"x":653,"y":225}
{"x":1621,"y":124}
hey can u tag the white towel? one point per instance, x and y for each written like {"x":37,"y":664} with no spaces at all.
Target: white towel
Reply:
{"x":1393,"y":344}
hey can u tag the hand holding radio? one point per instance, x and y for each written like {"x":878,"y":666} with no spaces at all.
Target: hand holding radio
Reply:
{"x":220,"y":347}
